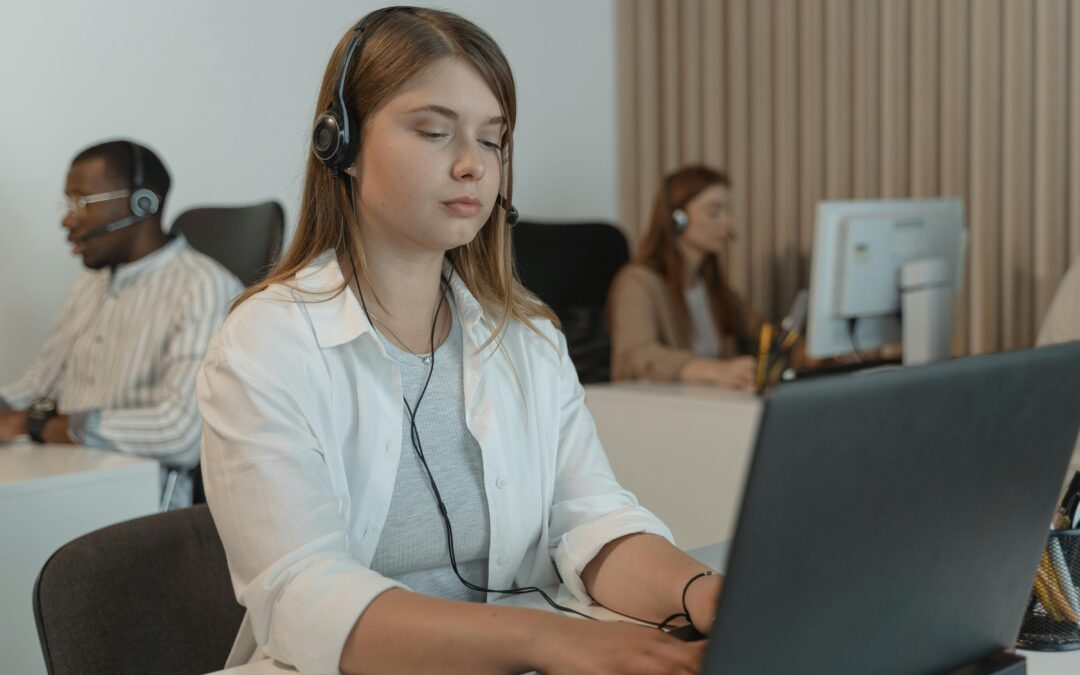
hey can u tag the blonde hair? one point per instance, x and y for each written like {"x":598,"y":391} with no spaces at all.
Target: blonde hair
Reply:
{"x":400,"y":46}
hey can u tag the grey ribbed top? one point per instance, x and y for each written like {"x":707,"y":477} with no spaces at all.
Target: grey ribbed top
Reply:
{"x":412,"y":548}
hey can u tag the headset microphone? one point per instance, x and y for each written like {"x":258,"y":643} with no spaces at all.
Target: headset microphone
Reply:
{"x":109,"y":227}
{"x":512,"y":215}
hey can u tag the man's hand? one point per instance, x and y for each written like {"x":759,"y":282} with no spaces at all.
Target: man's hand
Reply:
{"x":12,"y":424}
{"x":56,"y":430}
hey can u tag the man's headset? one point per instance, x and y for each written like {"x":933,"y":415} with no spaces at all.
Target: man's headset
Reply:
{"x":144,"y":201}
{"x":335,"y":139}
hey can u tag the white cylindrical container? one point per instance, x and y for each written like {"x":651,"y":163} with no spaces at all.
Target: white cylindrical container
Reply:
{"x":926,"y":310}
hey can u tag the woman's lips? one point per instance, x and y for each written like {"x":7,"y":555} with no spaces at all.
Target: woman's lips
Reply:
{"x":463,"y":208}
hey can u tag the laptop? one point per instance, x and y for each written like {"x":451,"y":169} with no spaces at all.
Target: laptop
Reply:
{"x":891,"y":523}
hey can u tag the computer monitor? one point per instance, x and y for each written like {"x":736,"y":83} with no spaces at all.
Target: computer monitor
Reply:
{"x":860,"y":250}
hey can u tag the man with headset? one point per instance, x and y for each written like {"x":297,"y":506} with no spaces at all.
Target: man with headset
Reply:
{"x":118,"y":370}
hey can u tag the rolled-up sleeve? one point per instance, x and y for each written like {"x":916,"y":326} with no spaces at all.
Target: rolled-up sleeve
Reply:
{"x":590,"y":508}
{"x":284,"y":531}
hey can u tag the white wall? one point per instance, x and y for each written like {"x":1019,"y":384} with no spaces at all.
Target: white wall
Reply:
{"x":224,"y":92}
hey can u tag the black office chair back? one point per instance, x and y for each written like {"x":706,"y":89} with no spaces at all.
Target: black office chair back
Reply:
{"x":570,"y":267}
{"x":151,"y":595}
{"x":246,"y":240}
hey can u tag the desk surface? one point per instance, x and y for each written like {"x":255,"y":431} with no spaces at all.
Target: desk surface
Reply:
{"x":1063,"y":663}
{"x":23,"y":462}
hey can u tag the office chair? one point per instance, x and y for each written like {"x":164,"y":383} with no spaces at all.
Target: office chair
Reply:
{"x":570,"y":267}
{"x":246,"y":240}
{"x":150,"y":595}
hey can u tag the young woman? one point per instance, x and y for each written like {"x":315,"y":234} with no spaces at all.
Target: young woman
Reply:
{"x":672,"y":314}
{"x":394,"y":433}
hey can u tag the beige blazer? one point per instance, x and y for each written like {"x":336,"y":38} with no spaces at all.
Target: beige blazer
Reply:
{"x":646,"y":343}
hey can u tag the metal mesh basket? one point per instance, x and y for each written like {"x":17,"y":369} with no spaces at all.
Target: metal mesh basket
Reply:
{"x":1052,"y":620}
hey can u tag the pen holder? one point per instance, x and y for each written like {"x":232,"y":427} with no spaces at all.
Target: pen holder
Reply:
{"x":1052,"y":620}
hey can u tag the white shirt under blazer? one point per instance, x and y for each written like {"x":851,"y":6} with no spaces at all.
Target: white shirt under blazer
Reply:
{"x":303,"y":416}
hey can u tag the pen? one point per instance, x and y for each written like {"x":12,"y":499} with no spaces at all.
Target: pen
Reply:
{"x":764,"y":342}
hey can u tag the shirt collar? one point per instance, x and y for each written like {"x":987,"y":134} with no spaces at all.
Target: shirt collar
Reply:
{"x":339,"y":319}
{"x":127,"y":273}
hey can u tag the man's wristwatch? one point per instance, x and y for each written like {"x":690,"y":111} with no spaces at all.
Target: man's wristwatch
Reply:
{"x":36,"y":415}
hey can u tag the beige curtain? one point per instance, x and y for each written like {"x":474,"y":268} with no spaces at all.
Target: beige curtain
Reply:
{"x":804,"y":100}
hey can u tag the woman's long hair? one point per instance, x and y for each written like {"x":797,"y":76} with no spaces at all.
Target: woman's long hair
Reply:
{"x":659,"y":252}
{"x":400,"y":46}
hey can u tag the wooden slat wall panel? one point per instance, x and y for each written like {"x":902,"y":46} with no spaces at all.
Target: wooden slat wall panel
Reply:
{"x":955,"y":41}
{"x":866,"y":98}
{"x":689,"y":93}
{"x":804,"y":100}
{"x":785,"y":153}
{"x":738,"y":140}
{"x":1050,"y":240}
{"x":1017,"y":164}
{"x":925,"y":106}
{"x":669,"y":85}
{"x":838,"y":99}
{"x":811,"y":123}
{"x":985,"y":190}
{"x":895,"y":99}
{"x":762,"y":187}
{"x":713,"y":83}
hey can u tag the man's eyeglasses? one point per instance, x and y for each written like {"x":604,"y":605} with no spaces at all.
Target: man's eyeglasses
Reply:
{"x":77,"y":204}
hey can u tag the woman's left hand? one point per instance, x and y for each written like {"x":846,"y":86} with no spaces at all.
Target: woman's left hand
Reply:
{"x":702,"y":598}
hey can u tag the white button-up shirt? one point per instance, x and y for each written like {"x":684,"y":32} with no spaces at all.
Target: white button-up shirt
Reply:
{"x":303,"y":416}
{"x":122,"y":357}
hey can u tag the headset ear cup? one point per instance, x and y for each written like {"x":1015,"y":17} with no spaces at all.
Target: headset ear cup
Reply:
{"x":680,"y":219}
{"x":328,"y":139}
{"x":144,"y":203}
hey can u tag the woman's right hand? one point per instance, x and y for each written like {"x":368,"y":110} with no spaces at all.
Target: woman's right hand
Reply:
{"x":582,"y":647}
{"x":736,"y":373}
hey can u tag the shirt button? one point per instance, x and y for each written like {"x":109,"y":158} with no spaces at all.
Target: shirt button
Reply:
{"x":480,"y":410}
{"x":387,"y":452}
{"x":500,"y":483}
{"x":502,"y":561}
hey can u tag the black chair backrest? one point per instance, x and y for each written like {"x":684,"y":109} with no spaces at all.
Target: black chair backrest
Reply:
{"x":150,"y":595}
{"x":570,"y":267}
{"x":246,"y":240}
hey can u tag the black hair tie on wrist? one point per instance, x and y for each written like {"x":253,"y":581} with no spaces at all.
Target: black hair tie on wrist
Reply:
{"x":685,"y":611}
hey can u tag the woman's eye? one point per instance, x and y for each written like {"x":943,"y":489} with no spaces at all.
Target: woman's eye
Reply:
{"x":434,"y":135}
{"x":490,"y":145}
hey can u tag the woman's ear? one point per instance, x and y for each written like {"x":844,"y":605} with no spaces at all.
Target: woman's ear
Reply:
{"x":351,"y":171}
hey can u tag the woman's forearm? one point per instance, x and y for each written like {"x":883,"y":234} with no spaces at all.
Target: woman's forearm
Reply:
{"x":405,"y":632}
{"x":642,"y":575}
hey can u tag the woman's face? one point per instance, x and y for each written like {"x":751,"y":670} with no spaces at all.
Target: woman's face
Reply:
{"x":431,"y":166}
{"x":711,"y":227}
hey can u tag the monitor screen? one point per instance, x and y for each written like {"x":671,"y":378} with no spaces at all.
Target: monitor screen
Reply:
{"x":859,"y":250}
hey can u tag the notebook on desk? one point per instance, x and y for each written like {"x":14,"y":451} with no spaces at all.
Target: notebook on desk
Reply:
{"x":893,"y":524}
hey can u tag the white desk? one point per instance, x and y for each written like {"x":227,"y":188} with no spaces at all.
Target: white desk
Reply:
{"x":49,"y":495}
{"x":683,"y":450}
{"x":1038,"y":663}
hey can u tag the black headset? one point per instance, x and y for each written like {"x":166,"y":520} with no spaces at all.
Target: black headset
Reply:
{"x":335,"y":136}
{"x":144,"y":202}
